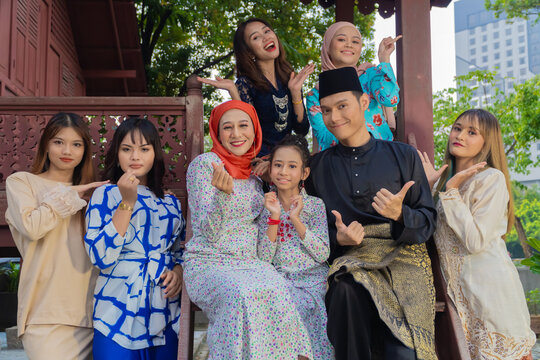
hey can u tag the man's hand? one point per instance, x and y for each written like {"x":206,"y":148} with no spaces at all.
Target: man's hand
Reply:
{"x":390,"y":205}
{"x":353,"y":234}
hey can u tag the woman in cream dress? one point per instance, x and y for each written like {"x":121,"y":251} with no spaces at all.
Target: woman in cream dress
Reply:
{"x":475,"y":211}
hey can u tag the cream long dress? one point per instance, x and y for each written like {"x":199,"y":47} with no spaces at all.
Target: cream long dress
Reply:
{"x":482,"y":281}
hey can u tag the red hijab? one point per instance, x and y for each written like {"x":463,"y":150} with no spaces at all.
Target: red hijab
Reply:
{"x":239,"y":167}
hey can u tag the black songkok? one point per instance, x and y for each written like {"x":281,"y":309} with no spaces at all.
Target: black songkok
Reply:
{"x":338,"y":80}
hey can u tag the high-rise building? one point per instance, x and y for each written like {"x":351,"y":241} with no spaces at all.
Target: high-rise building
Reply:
{"x":512,"y":48}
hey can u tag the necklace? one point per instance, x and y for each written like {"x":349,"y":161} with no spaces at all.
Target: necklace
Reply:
{"x":282,"y":108}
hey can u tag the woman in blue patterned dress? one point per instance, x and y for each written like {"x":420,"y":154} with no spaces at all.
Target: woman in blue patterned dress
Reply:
{"x":342,"y":46}
{"x":251,"y":313}
{"x":295,"y":238}
{"x":133,"y":236}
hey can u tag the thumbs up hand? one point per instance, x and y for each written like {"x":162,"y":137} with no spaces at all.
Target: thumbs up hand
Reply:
{"x":348,"y":235}
{"x":390,"y":205}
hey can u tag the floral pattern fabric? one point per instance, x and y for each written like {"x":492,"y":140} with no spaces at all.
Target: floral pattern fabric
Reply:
{"x":302,"y":262}
{"x":379,"y":82}
{"x":251,"y":313}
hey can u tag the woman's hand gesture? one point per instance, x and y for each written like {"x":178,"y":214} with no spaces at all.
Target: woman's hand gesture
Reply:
{"x":225,"y":84}
{"x":431,"y":174}
{"x":127,"y":185}
{"x":221,"y":179}
{"x":297,"y":80}
{"x":82,"y":189}
{"x":458,"y":179}
{"x":387,"y":47}
{"x":360,"y":69}
{"x":271,"y":203}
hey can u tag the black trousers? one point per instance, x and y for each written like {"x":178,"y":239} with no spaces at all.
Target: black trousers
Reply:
{"x":354,"y":327}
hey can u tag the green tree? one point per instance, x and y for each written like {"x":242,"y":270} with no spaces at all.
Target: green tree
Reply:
{"x":514,"y":8}
{"x":184,"y":37}
{"x":527,"y":209}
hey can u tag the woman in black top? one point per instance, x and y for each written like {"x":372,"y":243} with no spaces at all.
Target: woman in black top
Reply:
{"x":266,"y":80}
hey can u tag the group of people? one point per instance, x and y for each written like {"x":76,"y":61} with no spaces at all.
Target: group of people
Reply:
{"x":293,"y":255}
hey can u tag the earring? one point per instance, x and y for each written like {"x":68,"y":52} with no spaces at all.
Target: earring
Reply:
{"x":254,"y":59}
{"x":301,"y":184}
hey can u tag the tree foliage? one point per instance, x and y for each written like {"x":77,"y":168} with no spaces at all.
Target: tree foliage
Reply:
{"x":515,"y":8}
{"x":527,"y":209}
{"x":184,"y":37}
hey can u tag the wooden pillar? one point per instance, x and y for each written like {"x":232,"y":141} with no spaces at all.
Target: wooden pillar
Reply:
{"x":345,"y":10}
{"x":415,"y":110}
{"x":194,"y":147}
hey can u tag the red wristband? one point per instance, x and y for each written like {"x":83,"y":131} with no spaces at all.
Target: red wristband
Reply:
{"x":273,"y":221}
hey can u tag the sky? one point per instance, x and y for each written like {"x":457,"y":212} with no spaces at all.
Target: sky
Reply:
{"x":443,"y":62}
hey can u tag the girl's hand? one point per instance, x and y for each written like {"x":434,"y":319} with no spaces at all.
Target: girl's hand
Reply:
{"x":431,"y":174}
{"x":82,"y":189}
{"x":221,"y":179}
{"x":172,"y":280}
{"x":387,"y":47}
{"x":390,"y":205}
{"x":296,"y":81}
{"x":360,"y":69}
{"x":127,"y":184}
{"x":297,"y":204}
{"x":458,"y":179}
{"x":271,"y":203}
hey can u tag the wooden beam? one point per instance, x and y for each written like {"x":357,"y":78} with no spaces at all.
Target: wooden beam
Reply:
{"x":109,"y":74}
{"x":345,"y":10}
{"x":117,"y":43}
{"x":415,"y":110}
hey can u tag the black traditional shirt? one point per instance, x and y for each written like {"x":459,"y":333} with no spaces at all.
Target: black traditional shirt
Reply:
{"x":275,"y":111}
{"x":347,"y":179}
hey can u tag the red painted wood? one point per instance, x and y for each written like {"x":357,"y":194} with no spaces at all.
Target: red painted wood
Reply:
{"x":345,"y":10}
{"x":23,"y":118}
{"x":415,"y":110}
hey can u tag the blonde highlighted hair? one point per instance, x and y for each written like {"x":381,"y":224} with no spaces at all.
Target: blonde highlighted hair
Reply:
{"x":492,"y":152}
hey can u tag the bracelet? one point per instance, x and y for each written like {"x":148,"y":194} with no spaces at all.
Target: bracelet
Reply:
{"x":124,"y":206}
{"x":297,"y":102}
{"x":273,"y":221}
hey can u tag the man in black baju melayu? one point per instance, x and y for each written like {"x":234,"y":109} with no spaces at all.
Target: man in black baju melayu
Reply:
{"x":380,"y":299}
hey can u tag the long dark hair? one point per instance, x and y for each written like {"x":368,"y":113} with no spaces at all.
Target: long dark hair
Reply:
{"x":148,"y":131}
{"x":246,"y":66}
{"x":84,"y":171}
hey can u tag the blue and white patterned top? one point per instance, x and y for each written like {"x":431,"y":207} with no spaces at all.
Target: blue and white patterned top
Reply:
{"x":380,"y":83}
{"x":129,"y":303}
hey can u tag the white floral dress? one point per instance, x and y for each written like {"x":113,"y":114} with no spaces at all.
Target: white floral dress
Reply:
{"x":251,"y":313}
{"x":303,"y":265}
{"x":482,"y":281}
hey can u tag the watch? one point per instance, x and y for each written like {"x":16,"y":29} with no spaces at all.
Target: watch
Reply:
{"x":124,"y":206}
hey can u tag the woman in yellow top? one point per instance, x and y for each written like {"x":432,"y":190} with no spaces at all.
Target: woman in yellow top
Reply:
{"x":54,"y":315}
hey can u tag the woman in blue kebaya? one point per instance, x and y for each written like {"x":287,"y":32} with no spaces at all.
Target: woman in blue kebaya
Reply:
{"x":342,"y":46}
{"x":133,"y":236}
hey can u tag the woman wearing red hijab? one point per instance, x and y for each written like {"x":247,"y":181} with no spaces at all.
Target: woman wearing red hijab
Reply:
{"x":247,"y":302}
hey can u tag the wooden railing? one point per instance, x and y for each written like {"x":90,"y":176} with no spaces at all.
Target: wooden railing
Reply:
{"x":179,"y":121}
